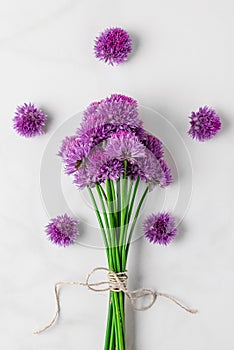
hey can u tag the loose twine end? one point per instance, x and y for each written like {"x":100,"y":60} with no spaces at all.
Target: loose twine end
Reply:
{"x":116,"y":282}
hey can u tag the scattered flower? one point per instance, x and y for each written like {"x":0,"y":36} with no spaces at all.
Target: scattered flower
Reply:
{"x":62,"y":230}
{"x":160,"y":228}
{"x":113,"y":46}
{"x":29,"y":120}
{"x":204,"y":124}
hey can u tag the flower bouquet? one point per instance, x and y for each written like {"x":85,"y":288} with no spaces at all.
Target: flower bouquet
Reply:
{"x":110,"y":155}
{"x":118,"y":162}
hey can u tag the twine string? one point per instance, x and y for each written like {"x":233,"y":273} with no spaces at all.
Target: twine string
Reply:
{"x":116,"y":282}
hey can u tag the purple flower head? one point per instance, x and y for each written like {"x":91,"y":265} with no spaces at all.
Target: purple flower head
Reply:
{"x":101,"y":167}
{"x":92,"y":122}
{"x":66,"y":145}
{"x":91,"y":109}
{"x":152,"y":170}
{"x":120,"y":109}
{"x":72,"y":152}
{"x":95,"y":136}
{"x":112,"y":169}
{"x":133,"y":171}
{"x":117,"y":110}
{"x":154,"y":145}
{"x":82,"y":178}
{"x":98,"y":168}
{"x":113,"y":46}
{"x":29,"y":120}
{"x":111,"y":134}
{"x":118,"y":98}
{"x":204,"y":124}
{"x":160,"y":228}
{"x":166,"y":176}
{"x":96,"y":159}
{"x":62,"y":230}
{"x":125,"y":146}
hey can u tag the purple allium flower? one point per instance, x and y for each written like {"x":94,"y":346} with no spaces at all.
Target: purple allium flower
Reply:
{"x":125,"y":146}
{"x":62,"y":230}
{"x":82,"y":178}
{"x":160,"y":228}
{"x":154,"y":145}
{"x":92,"y":122}
{"x":95,"y":136}
{"x":111,"y":133}
{"x":166,"y":177}
{"x":112,"y":170}
{"x":72,"y":152}
{"x":148,"y":168}
{"x":133,"y":171}
{"x":29,"y":120}
{"x":152,"y":170}
{"x":66,"y":145}
{"x":118,"y":110}
{"x":99,"y":168}
{"x":90,"y":110}
{"x":96,"y":159}
{"x":204,"y":124}
{"x":113,"y":46}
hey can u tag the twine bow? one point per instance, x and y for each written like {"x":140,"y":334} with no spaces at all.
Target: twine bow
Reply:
{"x":116,"y":282}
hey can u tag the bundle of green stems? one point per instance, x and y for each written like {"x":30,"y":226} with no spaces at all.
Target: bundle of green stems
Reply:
{"x":117,"y":208}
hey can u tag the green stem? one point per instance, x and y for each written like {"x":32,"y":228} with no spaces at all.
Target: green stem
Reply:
{"x":100,"y":194}
{"x":118,"y":195}
{"x":117,"y":205}
{"x":135,"y":219}
{"x":114,"y":204}
{"x":133,"y":197}
{"x":109,"y":326}
{"x":118,"y":321}
{"x":112,"y":332}
{"x":114,"y":296}
{"x":112,"y":224}
{"x":117,"y":297}
{"x":126,"y":222}
{"x":112,"y":337}
{"x":128,"y":202}
{"x":100,"y":223}
{"x":124,"y":207}
{"x":116,"y":224}
{"x":103,"y":192}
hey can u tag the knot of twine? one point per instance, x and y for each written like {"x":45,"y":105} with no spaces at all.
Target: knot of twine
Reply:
{"x":116,"y":282}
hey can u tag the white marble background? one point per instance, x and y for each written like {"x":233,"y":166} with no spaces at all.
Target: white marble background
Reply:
{"x":183,"y":58}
